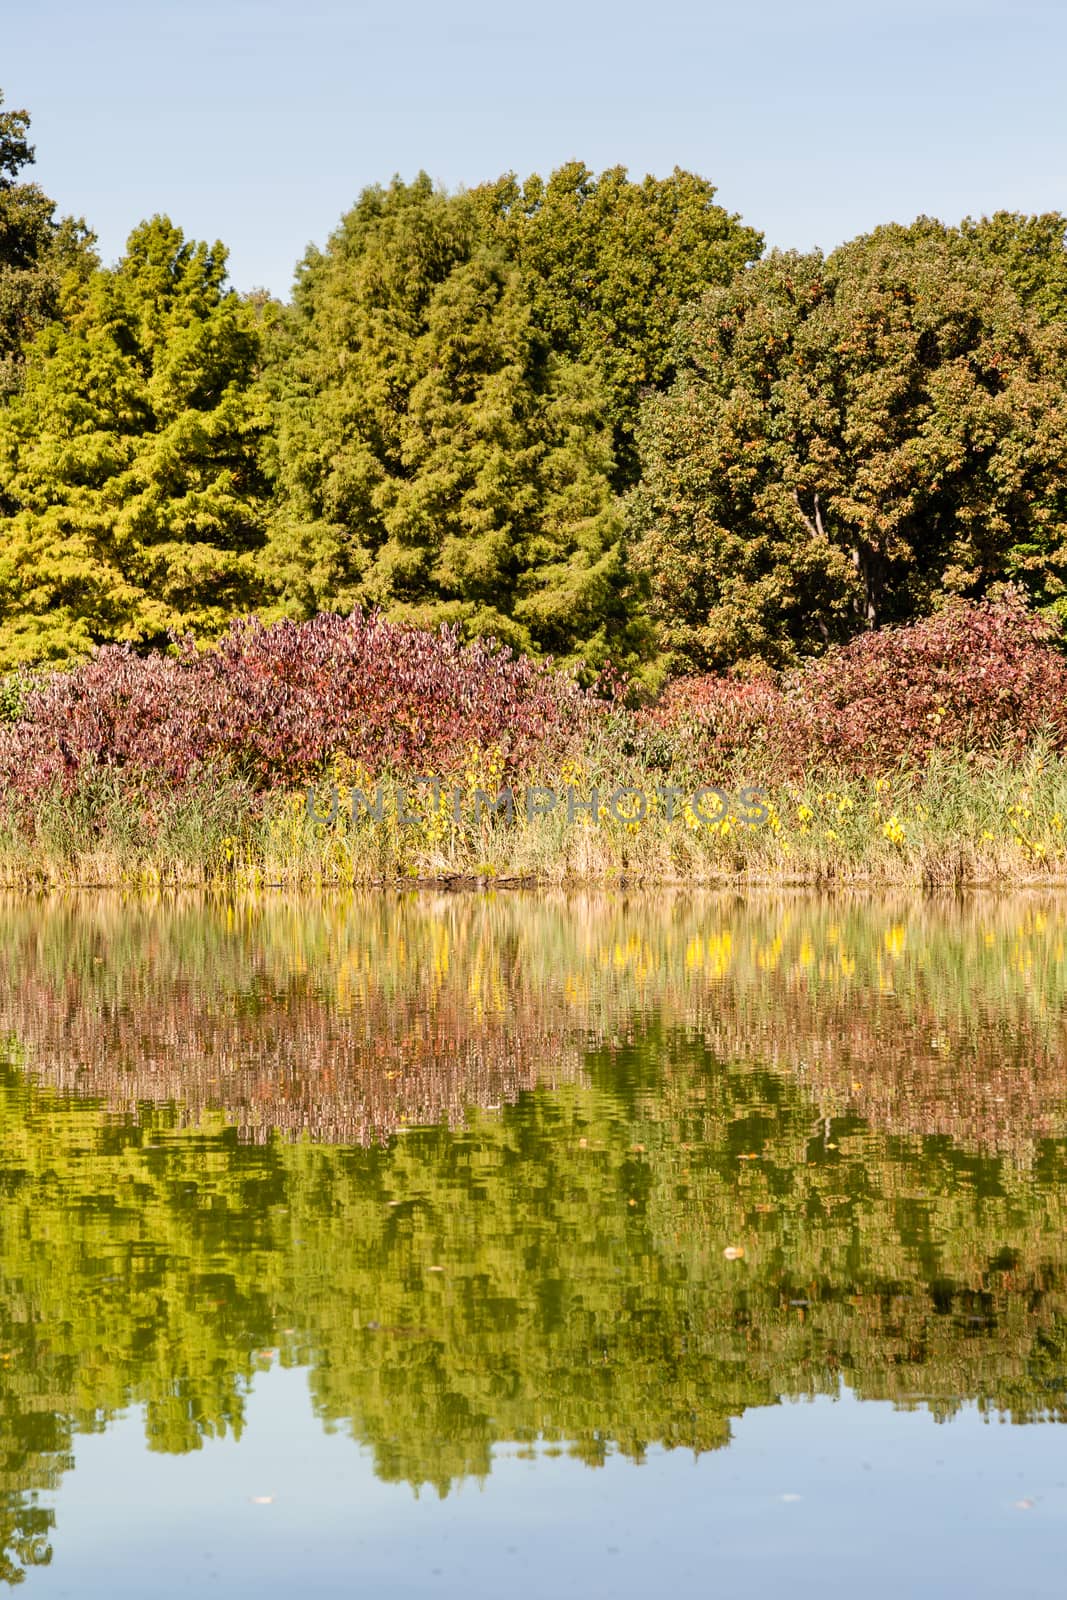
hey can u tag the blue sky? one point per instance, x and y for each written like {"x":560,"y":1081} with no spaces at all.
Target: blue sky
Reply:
{"x":258,"y":122}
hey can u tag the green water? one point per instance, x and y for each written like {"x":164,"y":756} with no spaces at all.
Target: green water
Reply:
{"x":308,"y":1206}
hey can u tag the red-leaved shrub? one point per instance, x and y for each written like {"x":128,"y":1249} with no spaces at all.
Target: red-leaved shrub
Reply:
{"x":276,"y":703}
{"x":721,"y":721}
{"x":975,"y":678}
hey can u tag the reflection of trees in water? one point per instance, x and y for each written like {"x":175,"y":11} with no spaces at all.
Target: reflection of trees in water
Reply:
{"x":554,"y":1265}
{"x":556,"y":1268}
{"x":349,"y":1018}
{"x":341,"y":1027}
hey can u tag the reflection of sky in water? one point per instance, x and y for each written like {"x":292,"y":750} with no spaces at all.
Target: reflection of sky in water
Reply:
{"x":889,"y":1504}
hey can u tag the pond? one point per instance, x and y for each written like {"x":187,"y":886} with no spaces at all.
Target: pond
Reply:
{"x":533,"y":1245}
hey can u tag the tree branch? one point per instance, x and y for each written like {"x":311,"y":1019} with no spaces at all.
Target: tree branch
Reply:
{"x":817,"y":529}
{"x":805,"y":519}
{"x":818,"y":518}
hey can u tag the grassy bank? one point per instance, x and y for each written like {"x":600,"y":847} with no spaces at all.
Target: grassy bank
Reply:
{"x":952,"y":822}
{"x":934,"y":754}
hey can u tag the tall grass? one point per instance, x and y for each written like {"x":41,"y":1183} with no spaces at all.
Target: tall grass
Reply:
{"x":952,"y":822}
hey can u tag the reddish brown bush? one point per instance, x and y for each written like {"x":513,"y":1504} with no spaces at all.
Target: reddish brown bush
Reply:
{"x":724,"y":720}
{"x":973,"y":679}
{"x":276,"y":703}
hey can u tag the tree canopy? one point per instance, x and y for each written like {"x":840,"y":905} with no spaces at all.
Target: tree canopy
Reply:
{"x":1032,"y":253}
{"x":36,"y":250}
{"x":581,"y":413}
{"x":609,"y":263}
{"x":848,"y":439}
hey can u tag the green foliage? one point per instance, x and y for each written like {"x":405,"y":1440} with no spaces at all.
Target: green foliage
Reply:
{"x":13,"y":689}
{"x":1030,"y":251}
{"x":37,"y":252}
{"x":608,"y":264}
{"x":848,"y":440}
{"x":437,"y":458}
{"x":577,"y":413}
{"x":129,"y":459}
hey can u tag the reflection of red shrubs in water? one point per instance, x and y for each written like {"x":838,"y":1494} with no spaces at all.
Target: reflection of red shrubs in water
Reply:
{"x":348,"y":1024}
{"x":974,"y":678}
{"x":278,"y":702}
{"x":292,"y":1064}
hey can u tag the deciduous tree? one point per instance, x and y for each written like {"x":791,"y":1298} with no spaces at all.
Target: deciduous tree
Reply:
{"x":36,"y":250}
{"x":847,"y":440}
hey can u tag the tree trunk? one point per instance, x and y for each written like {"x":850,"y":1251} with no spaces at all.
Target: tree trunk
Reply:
{"x":871,"y":569}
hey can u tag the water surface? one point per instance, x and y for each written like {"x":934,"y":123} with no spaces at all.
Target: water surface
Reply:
{"x":529,"y":1245}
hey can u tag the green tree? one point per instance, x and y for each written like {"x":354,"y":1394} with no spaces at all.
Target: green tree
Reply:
{"x":436,"y":457}
{"x":36,"y":250}
{"x":130,"y":468}
{"x":1031,"y":252}
{"x":609,"y":263}
{"x":846,"y":441}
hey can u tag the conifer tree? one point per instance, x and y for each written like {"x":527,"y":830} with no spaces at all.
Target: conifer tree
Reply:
{"x":437,"y":458}
{"x":132,"y":496}
{"x":609,"y":263}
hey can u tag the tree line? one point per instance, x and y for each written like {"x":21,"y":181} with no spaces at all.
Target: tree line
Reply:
{"x":587,"y":415}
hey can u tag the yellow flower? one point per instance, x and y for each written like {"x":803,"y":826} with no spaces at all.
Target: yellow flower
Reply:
{"x":893,"y":830}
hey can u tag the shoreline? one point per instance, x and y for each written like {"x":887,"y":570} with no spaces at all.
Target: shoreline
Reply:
{"x":468,"y":883}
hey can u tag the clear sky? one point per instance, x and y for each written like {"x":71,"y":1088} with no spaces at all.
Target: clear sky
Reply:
{"x":258,"y":121}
